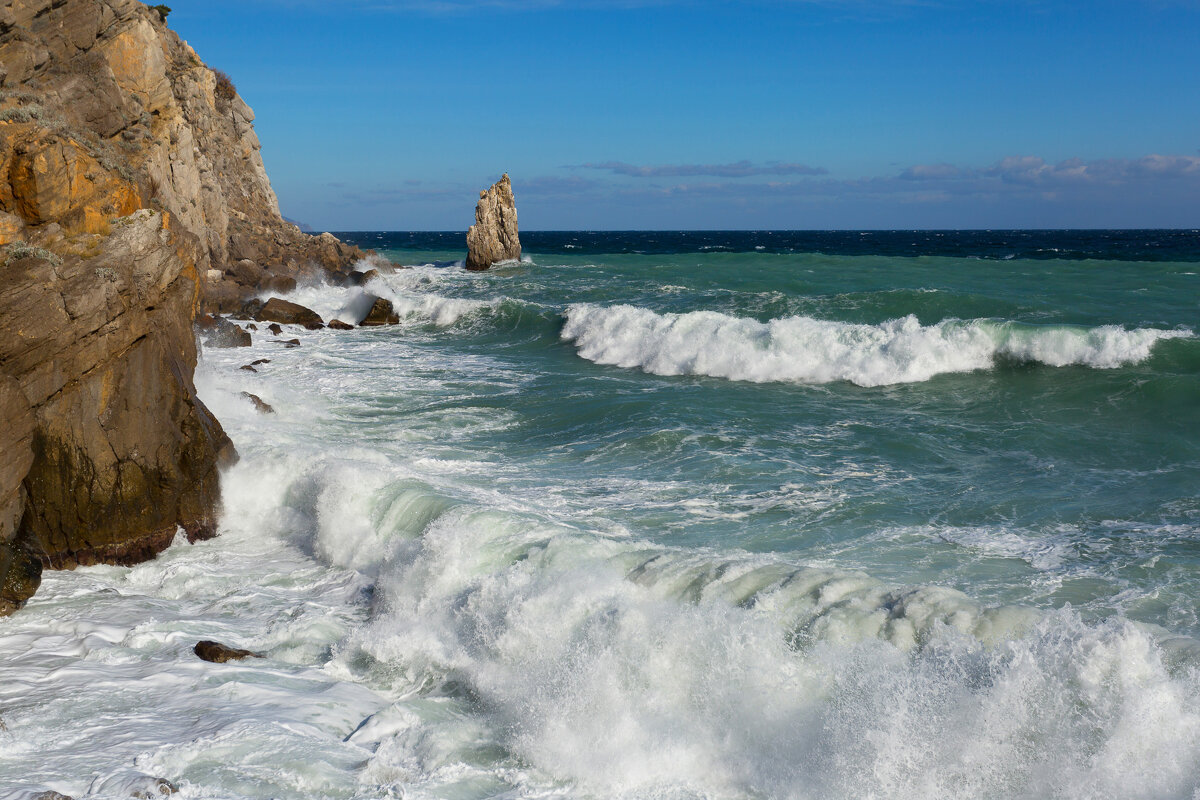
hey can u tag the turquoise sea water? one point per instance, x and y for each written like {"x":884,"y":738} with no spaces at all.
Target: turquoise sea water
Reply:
{"x":906,"y":515}
{"x":1027,"y":434}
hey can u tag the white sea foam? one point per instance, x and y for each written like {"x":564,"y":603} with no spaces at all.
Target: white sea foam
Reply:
{"x":502,"y":650}
{"x":807,"y":350}
{"x":411,"y":291}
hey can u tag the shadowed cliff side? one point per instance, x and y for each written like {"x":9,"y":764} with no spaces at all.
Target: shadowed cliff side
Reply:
{"x":132,"y":196}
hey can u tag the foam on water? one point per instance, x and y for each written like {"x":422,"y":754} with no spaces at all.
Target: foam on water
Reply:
{"x":407,"y":289}
{"x":430,"y":630}
{"x":807,"y":350}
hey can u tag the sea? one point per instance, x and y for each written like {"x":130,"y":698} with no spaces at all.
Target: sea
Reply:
{"x":673,"y":516}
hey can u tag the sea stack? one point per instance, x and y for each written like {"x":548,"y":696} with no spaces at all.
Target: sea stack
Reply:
{"x":493,"y":237}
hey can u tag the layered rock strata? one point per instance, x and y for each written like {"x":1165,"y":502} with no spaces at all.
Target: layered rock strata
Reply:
{"x":132,"y":197}
{"x":493,"y":237}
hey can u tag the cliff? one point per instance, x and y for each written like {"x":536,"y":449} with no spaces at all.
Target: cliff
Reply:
{"x":132,"y":197}
{"x":493,"y":237}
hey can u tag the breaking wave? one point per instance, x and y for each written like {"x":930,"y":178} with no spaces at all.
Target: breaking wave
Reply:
{"x":806,"y":350}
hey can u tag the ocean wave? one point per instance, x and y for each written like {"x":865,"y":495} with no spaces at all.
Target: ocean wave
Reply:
{"x":807,"y":350}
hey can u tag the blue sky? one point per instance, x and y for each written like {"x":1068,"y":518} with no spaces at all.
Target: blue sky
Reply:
{"x":672,"y":114}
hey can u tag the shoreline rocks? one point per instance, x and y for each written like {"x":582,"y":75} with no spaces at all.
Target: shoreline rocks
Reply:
{"x":381,"y":313}
{"x":288,"y":313}
{"x":493,"y":237}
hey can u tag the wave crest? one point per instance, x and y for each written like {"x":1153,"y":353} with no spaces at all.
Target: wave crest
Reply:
{"x":806,"y":350}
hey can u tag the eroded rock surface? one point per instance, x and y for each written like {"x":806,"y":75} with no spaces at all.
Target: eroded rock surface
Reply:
{"x":493,"y":237}
{"x":132,"y":198}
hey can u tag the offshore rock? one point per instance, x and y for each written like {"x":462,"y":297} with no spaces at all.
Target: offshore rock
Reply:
{"x":381,"y":313}
{"x":289,"y":313}
{"x":493,"y":237}
{"x":219,"y":653}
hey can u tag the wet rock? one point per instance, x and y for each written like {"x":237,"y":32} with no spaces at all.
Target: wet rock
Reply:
{"x":223,"y":333}
{"x":248,"y":310}
{"x":338,"y":325}
{"x":381,"y":313}
{"x":247,"y":368}
{"x":250,"y":326}
{"x":493,"y":237}
{"x":20,"y":575}
{"x":289,"y":313}
{"x":275,"y":329}
{"x":219,"y":653}
{"x":50,"y":794}
{"x":260,"y":361}
{"x":289,"y":342}
{"x":260,"y":405}
{"x":358,"y":278}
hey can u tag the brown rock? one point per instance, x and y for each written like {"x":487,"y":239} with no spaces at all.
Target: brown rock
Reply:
{"x":338,"y":325}
{"x":493,"y":237}
{"x":275,"y":329}
{"x":259,"y":404}
{"x":247,"y":368}
{"x":260,"y":361}
{"x":17,"y":426}
{"x":381,"y":313}
{"x":281,"y":284}
{"x":219,"y":653}
{"x":124,"y":453}
{"x":20,"y":575}
{"x":359,"y":278}
{"x":247,"y":273}
{"x":288,"y":313}
{"x":223,"y":333}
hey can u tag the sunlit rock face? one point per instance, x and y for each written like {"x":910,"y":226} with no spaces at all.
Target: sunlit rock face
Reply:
{"x":493,"y":237}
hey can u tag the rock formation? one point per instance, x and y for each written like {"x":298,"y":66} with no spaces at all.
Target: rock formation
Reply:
{"x":132,"y":197}
{"x":381,"y":313}
{"x":289,"y":313}
{"x":493,"y":237}
{"x":221,"y":653}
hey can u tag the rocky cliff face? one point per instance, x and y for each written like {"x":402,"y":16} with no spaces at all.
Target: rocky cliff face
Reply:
{"x":493,"y":237}
{"x":132,"y":195}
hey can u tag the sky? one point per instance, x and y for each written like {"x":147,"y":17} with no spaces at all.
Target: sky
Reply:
{"x":697,"y":114}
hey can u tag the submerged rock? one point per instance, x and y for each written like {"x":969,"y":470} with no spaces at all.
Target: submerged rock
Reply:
{"x":259,"y":404}
{"x":338,"y":325}
{"x":381,"y":313}
{"x":275,"y":329}
{"x":289,"y":313}
{"x":493,"y":237}
{"x":220,"y":653}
